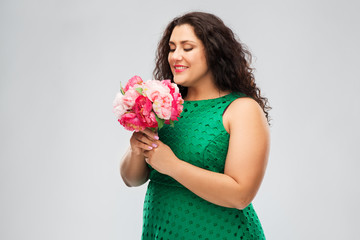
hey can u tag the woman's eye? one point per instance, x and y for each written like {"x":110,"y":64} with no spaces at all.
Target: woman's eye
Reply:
{"x":185,"y":49}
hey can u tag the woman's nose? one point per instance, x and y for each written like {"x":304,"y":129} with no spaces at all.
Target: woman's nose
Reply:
{"x":176,"y":55}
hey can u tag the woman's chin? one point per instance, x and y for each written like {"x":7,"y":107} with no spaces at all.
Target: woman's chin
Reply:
{"x":180,"y":80}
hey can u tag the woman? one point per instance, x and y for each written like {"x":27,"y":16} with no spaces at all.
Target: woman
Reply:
{"x":206,"y":170}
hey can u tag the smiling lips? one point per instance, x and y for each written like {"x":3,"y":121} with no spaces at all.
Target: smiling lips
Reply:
{"x":180,"y":68}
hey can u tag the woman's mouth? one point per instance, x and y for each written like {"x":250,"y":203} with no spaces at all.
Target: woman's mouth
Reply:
{"x":180,"y":68}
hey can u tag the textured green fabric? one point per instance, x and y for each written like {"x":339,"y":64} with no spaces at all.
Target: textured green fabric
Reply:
{"x":171,"y":211}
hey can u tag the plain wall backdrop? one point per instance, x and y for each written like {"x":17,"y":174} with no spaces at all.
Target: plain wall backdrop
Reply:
{"x":61,"y":63}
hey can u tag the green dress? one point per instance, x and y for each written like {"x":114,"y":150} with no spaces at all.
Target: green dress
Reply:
{"x":171,"y":211}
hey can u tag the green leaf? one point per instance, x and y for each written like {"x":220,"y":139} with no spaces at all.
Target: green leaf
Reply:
{"x":153,"y":129}
{"x":172,"y":123}
{"x":139,"y":90}
{"x":122,"y":90}
{"x":159,"y":121}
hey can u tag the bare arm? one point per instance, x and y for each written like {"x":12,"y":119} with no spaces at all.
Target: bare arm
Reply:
{"x":245,"y":162}
{"x":133,"y":168}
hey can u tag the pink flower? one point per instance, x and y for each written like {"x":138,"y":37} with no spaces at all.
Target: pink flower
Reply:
{"x":172,"y":86}
{"x":129,"y":98}
{"x":132,"y":82}
{"x":162,"y":106}
{"x":119,"y":108}
{"x":177,"y":106}
{"x":159,"y":94}
{"x":131,"y":122}
{"x":177,"y":102}
{"x":154,"y":88}
{"x":143,"y":111}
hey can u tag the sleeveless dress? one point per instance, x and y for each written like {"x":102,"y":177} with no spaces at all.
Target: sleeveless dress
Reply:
{"x":171,"y":211}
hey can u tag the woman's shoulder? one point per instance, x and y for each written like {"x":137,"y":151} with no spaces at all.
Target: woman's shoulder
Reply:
{"x":244,"y":111}
{"x":243,"y":101}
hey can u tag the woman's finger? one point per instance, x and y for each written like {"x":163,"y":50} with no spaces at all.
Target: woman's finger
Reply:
{"x":143,"y":142}
{"x":152,"y":135}
{"x":140,"y":140}
{"x":145,"y":139}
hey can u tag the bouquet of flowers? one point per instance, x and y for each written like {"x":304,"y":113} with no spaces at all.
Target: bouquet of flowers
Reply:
{"x":149,"y":104}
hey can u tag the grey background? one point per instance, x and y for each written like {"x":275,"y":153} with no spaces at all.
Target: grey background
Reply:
{"x":60,"y":67}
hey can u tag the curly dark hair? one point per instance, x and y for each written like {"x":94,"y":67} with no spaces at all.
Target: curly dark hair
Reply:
{"x":228,"y":59}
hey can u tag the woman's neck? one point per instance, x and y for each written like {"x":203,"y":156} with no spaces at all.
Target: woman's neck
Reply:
{"x":203,"y":93}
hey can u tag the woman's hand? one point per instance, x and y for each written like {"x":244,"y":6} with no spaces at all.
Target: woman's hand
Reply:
{"x":133,"y":168}
{"x":144,"y":140}
{"x":161,"y":158}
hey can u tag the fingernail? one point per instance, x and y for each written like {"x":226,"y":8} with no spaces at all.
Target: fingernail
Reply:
{"x":154,"y":145}
{"x":156,"y":137}
{"x":150,"y":147}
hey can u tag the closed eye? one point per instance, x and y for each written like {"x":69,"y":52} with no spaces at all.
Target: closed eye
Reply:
{"x":185,"y":49}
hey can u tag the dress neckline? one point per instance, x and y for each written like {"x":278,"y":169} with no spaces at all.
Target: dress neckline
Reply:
{"x":203,"y":100}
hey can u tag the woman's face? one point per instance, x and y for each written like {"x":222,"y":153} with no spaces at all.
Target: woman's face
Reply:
{"x":187,"y":57}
